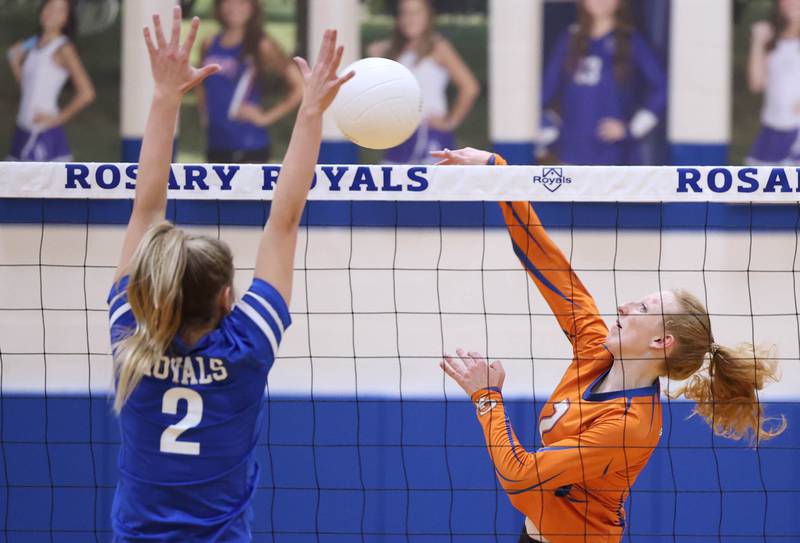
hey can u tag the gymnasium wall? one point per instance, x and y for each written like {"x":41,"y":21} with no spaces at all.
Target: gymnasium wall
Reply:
{"x":364,"y":434}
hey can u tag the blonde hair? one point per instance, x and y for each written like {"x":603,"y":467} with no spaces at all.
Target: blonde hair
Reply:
{"x":174,"y":284}
{"x":723,"y":381}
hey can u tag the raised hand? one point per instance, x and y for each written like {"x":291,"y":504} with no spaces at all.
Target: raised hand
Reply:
{"x":169,"y":61}
{"x":473,"y":373}
{"x":464,"y":157}
{"x":322,"y":84}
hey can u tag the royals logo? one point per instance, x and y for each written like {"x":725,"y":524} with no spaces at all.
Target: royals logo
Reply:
{"x":552,"y":178}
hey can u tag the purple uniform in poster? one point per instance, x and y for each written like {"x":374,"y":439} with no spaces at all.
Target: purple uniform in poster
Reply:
{"x":579,"y":99}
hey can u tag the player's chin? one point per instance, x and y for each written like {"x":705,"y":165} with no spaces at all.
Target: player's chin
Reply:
{"x":612,"y":343}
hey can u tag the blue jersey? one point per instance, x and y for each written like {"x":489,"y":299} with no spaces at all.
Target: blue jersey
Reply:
{"x":591,"y":92}
{"x":235,"y":81}
{"x":189,"y":429}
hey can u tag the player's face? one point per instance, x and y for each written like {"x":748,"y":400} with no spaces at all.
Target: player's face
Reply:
{"x":412,"y":18}
{"x":54,"y":15}
{"x":236,"y":13}
{"x":640,"y":326}
{"x":790,"y":9}
{"x":601,"y":8}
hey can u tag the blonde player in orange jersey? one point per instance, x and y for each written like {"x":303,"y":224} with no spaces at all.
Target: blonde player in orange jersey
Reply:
{"x":603,"y":420}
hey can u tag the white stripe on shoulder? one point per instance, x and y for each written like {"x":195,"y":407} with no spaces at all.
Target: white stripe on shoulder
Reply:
{"x":116,"y":298}
{"x":262,"y":325}
{"x":268,"y":306}
{"x":124,"y":308}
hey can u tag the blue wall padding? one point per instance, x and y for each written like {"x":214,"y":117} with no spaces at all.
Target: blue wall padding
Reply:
{"x":415,"y":470}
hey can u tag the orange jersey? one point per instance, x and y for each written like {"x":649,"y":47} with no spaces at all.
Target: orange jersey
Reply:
{"x":594,"y":444}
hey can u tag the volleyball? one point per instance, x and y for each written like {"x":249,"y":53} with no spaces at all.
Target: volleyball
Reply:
{"x":381,"y":106}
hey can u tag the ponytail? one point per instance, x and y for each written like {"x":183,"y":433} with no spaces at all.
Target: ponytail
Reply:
{"x":156,"y":299}
{"x":727,"y":393}
{"x":722,"y":381}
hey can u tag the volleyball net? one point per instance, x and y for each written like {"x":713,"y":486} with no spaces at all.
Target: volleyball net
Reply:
{"x":365,"y":438}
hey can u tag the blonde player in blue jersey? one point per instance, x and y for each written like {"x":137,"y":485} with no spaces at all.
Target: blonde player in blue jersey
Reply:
{"x":191,"y":365}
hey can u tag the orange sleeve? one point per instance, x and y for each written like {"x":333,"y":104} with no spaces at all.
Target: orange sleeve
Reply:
{"x":599,"y":450}
{"x":552,"y":273}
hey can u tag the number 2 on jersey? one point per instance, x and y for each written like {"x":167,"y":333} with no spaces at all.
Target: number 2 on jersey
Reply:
{"x":194,"y":414}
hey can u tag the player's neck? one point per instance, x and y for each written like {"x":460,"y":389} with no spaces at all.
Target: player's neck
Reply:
{"x":232,"y":36}
{"x":792,"y":30}
{"x":602,"y":26}
{"x":413,"y":44}
{"x":190,"y":337}
{"x":628,"y":376}
{"x":48,"y":36}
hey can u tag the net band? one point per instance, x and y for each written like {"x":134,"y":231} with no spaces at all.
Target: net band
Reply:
{"x":416,"y":183}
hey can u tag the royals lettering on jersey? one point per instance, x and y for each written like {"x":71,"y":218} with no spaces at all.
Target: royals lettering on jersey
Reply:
{"x":188,"y":370}
{"x":189,"y":429}
{"x":594,"y":444}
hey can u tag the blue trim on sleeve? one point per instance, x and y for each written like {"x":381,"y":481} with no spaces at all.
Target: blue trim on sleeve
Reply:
{"x":493,"y":389}
{"x":511,"y":440}
{"x":535,"y":271}
{"x":492,"y":160}
{"x":506,"y":478}
{"x":271,"y":294}
{"x":653,"y":409}
{"x":523,"y":225}
{"x":537,"y":485}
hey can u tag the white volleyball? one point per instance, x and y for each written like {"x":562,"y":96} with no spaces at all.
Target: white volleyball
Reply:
{"x":381,"y":106}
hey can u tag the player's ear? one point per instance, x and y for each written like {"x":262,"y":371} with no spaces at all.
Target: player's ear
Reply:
{"x":663,"y":343}
{"x":226,"y":299}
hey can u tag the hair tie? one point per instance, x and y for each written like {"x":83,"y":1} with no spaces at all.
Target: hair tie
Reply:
{"x":714,"y":349}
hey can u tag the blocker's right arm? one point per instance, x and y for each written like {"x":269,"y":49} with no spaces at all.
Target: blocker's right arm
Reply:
{"x":174,"y":77}
{"x":275,"y":259}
